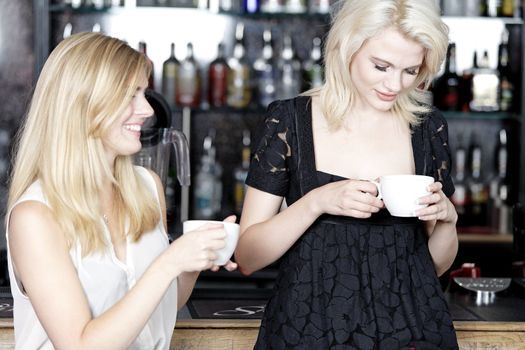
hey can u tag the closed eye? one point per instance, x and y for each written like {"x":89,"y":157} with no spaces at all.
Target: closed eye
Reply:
{"x":381,"y":68}
{"x":411,"y":71}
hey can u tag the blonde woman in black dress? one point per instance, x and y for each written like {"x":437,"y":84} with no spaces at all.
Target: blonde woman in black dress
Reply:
{"x":352,"y":276}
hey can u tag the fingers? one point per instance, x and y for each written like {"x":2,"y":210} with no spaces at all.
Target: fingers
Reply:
{"x":365,"y":186}
{"x":231,"y":218}
{"x":361,"y":201}
{"x":438,"y":205}
{"x":230,"y":266}
{"x":435,"y":187}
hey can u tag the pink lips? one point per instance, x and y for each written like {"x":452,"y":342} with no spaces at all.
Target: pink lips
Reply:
{"x":386,"y":97}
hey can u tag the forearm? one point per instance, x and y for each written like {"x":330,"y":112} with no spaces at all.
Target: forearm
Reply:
{"x":185,"y":283}
{"x":443,"y":245}
{"x":263,"y":243}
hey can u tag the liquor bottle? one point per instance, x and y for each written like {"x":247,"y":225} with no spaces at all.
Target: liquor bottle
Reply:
{"x":289,"y":84}
{"x":506,"y":8}
{"x":271,"y":6}
{"x":465,"y":91}
{"x":446,"y":87}
{"x":295,"y":6}
{"x":493,"y":8}
{"x":313,"y":72}
{"x":218,"y":79}
{"x":143,"y":49}
{"x":230,"y":5}
{"x":320,"y":6}
{"x":97,"y":4}
{"x":170,"y":71}
{"x":265,"y":72}
{"x":499,"y":208}
{"x":188,"y":83}
{"x":518,"y":9}
{"x":453,"y":8}
{"x":483,"y":8}
{"x":477,"y":189}
{"x":208,"y":185}
{"x":239,"y":90}
{"x":506,"y":88}
{"x":460,"y":196}
{"x":251,"y":6}
{"x":485,"y":84}
{"x":241,"y":172}
{"x":471,"y":8}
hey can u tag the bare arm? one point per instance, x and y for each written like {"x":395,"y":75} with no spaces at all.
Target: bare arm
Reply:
{"x":43,"y":265}
{"x":267,"y":234}
{"x":441,"y":218}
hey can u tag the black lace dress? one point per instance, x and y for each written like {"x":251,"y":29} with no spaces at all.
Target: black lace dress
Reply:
{"x":350,"y":283}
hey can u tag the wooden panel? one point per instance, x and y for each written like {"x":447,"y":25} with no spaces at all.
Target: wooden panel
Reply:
{"x":489,"y":326}
{"x":491,"y":340}
{"x":214,"y":339}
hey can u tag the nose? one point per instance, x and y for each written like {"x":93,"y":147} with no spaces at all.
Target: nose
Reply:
{"x":143,"y":108}
{"x":393,"y":81}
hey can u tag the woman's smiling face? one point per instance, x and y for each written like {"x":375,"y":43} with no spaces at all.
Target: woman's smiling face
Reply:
{"x":124,"y":136}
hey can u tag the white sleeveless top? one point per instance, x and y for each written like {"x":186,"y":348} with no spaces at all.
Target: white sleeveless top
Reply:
{"x":105,"y":280}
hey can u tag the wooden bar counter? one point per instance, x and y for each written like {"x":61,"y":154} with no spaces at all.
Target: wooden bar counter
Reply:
{"x":241,"y":334}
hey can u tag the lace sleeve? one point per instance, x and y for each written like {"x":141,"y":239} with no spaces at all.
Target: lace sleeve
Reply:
{"x":271,"y":152}
{"x":438,"y":131}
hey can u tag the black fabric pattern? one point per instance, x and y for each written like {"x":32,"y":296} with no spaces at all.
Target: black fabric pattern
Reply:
{"x":350,"y":283}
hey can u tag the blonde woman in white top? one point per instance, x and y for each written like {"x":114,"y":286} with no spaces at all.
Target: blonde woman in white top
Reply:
{"x":89,"y":259}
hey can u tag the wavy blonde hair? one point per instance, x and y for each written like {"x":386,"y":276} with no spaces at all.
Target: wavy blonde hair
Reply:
{"x":357,"y":21}
{"x":84,"y":87}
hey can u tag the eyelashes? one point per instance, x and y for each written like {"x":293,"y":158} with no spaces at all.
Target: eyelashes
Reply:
{"x":409,"y":71}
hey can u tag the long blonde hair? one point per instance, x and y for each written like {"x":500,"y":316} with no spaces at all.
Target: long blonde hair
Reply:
{"x":85,"y":85}
{"x":358,"y":20}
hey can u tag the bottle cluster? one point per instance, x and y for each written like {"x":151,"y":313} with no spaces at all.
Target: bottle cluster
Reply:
{"x":235,"y":81}
{"x":208,"y":181}
{"x":90,"y":4}
{"x":275,"y":6}
{"x":482,"y":196}
{"x":479,"y":88}
{"x":486,"y":8}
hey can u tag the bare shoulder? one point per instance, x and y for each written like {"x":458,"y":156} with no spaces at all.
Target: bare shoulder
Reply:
{"x":32,"y":222}
{"x":29,"y":218}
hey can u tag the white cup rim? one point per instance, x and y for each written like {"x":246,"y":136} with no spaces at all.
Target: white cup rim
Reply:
{"x":412,"y":176}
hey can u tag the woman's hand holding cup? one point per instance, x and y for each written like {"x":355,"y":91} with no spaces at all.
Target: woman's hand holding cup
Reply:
{"x":196,"y":252}
{"x":439,"y":207}
{"x":220,"y":255}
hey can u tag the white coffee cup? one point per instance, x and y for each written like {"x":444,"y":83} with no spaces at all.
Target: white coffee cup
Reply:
{"x":232,"y":237}
{"x":401,"y":193}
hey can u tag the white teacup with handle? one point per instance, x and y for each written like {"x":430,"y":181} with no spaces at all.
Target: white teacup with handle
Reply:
{"x":401,"y":193}
{"x":232,"y":237}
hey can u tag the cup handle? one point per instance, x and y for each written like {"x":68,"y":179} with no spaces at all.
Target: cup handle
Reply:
{"x":379,"y":194}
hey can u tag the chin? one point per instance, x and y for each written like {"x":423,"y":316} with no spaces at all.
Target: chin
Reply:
{"x":384,"y":106}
